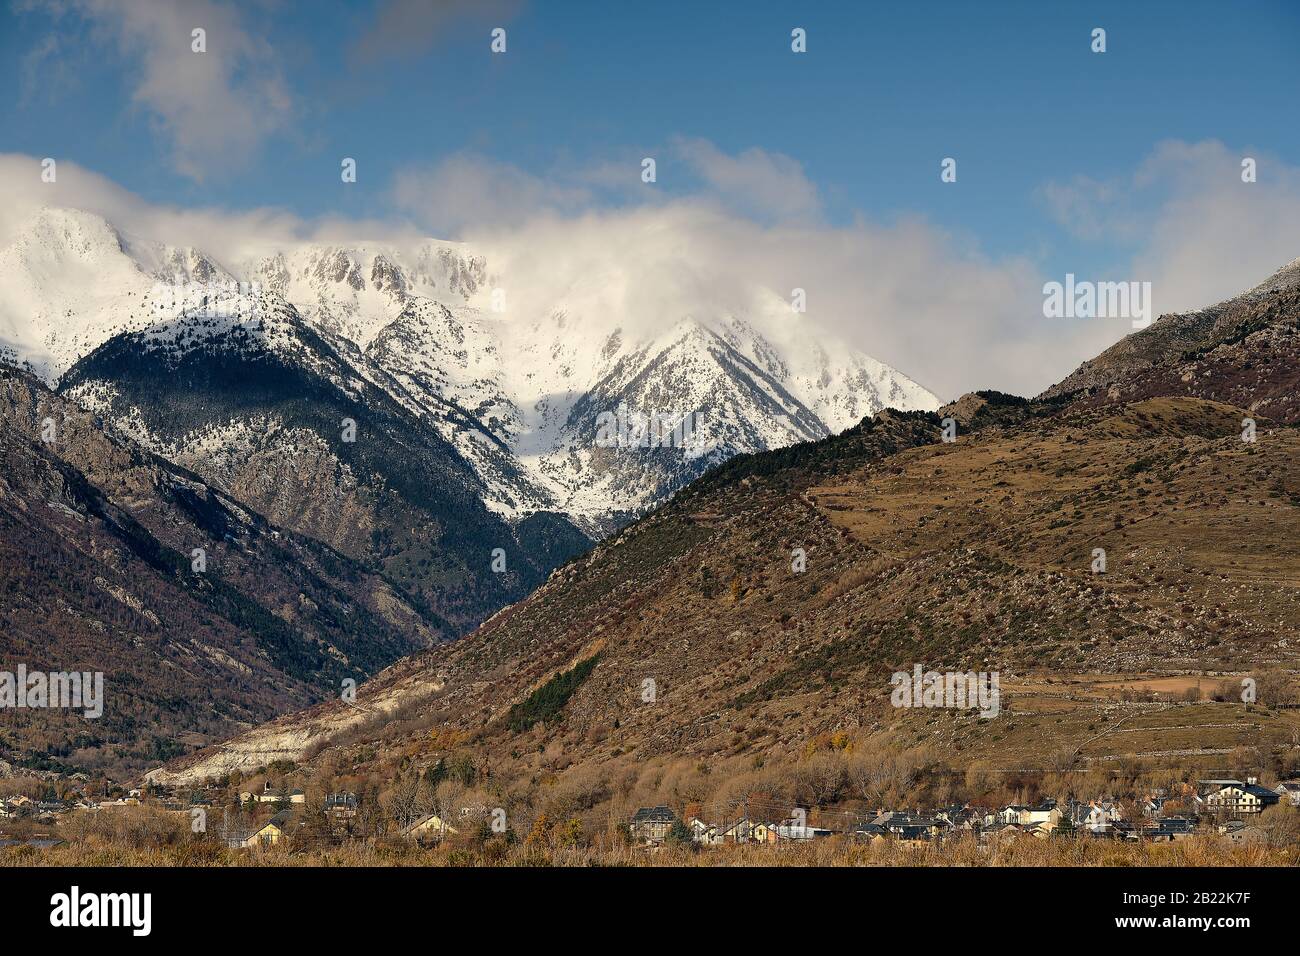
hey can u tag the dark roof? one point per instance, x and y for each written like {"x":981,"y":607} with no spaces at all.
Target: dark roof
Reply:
{"x":654,"y":815}
{"x":1173,"y":825}
{"x":912,"y":832}
{"x":279,"y":820}
{"x":896,"y":818}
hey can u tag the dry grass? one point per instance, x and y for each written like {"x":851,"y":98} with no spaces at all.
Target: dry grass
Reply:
{"x":1023,"y":851}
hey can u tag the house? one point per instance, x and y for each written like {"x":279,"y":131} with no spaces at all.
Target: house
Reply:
{"x":797,"y":831}
{"x":1154,"y":806}
{"x":910,"y":828}
{"x":1096,"y":817}
{"x":964,"y":817}
{"x":47,"y":810}
{"x":1289,"y":790}
{"x":738,"y":832}
{"x":651,"y":824}
{"x":1012,"y":813}
{"x":1239,"y":831}
{"x":341,"y":806}
{"x":1204,"y":788}
{"x":870,"y":832}
{"x":913,"y":834}
{"x":998,"y":832}
{"x":428,"y":828}
{"x":1239,"y":799}
{"x":271,"y":794}
{"x":270,"y":832}
{"x":703,"y":833}
{"x":896,"y":820}
{"x":1169,"y":829}
{"x":764,"y":833}
{"x":1045,"y":814}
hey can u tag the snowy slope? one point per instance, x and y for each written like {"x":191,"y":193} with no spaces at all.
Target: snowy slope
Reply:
{"x":518,"y":392}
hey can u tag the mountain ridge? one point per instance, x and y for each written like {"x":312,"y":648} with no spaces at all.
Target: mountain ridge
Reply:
{"x":513,"y":379}
{"x":979,"y":553}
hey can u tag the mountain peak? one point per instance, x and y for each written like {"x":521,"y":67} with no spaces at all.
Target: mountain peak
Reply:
{"x":1285,"y":278}
{"x":515,"y":383}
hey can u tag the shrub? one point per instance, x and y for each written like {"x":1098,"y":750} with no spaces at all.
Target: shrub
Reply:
{"x":546,"y":703}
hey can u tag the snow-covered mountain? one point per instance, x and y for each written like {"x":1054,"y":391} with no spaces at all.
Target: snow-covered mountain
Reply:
{"x":524,"y":391}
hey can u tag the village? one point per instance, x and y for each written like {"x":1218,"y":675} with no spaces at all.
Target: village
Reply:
{"x":1225,"y":807}
{"x":270,"y":816}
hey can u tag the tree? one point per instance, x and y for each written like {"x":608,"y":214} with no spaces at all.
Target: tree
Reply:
{"x":679,"y":835}
{"x":569,"y":833}
{"x":1065,"y":826}
{"x":462,"y":769}
{"x":437,"y":773}
{"x":1282,"y":824}
{"x":537,"y":838}
{"x":404,"y":800}
{"x":1274,"y":689}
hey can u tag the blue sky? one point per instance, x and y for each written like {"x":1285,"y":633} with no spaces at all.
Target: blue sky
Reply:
{"x":1011,"y":90}
{"x":586,"y":89}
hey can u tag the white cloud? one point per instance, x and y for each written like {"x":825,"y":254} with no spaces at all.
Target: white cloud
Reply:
{"x":46,"y":71}
{"x":467,"y":188}
{"x":1085,"y":207}
{"x":754,"y":182}
{"x":226,"y":235}
{"x":1200,"y":234}
{"x":217,"y":107}
{"x":909,"y":293}
{"x":470,"y":190}
{"x":1215,"y":236}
